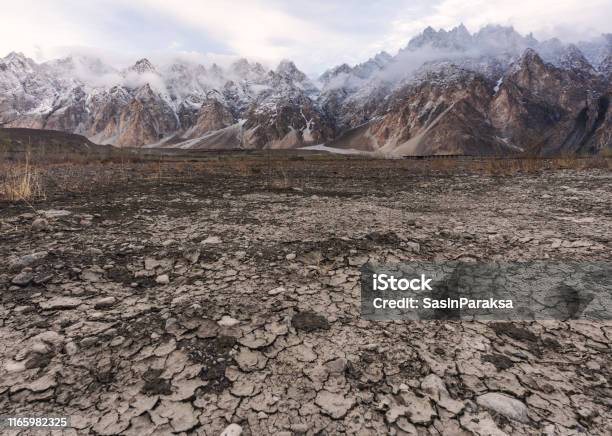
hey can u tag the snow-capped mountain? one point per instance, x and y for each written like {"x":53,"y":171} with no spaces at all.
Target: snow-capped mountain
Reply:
{"x":493,"y":91}
{"x":452,"y":92}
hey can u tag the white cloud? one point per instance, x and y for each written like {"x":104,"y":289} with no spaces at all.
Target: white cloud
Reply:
{"x":570,"y":20}
{"x":269,"y":30}
{"x":257,"y":30}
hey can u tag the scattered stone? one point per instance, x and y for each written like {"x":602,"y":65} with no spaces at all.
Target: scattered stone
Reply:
{"x":40,"y":224}
{"x":71,"y":348}
{"x":212,"y":240}
{"x":192,"y":254}
{"x":42,"y":279}
{"x":23,"y":279}
{"x":151,"y":264}
{"x":55,"y":213}
{"x":49,"y":337}
{"x":504,"y":405}
{"x":276,"y":291}
{"x":163,"y":279}
{"x":232,"y":430}
{"x":28,"y":260}
{"x":105,"y":302}
{"x":59,"y":303}
{"x":90,"y":275}
{"x":415,"y":247}
{"x":88,"y":342}
{"x":291,"y":256}
{"x":228,"y":321}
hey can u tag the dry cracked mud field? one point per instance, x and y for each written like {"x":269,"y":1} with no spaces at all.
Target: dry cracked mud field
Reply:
{"x":229,"y":301}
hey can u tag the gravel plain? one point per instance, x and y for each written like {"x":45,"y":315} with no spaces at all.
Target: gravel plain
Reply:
{"x":230,"y":302}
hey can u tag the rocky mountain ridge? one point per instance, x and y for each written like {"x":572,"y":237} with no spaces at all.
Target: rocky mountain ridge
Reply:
{"x":447,"y":92}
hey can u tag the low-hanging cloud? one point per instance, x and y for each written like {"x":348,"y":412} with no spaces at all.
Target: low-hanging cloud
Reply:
{"x":270,"y":30}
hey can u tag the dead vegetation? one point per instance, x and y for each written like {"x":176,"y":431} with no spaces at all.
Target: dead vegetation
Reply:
{"x":30,"y":178}
{"x":20,"y":182}
{"x":534,"y":165}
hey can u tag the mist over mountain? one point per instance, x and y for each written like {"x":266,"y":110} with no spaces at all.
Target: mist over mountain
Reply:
{"x":446,"y":92}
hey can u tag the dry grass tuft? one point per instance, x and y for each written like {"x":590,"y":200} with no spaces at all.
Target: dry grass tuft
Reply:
{"x":20,"y":182}
{"x":281,"y":180}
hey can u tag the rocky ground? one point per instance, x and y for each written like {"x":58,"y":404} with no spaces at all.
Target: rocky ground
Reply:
{"x":184,"y":306}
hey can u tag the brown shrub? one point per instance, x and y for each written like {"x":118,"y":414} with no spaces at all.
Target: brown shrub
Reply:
{"x":20,"y":182}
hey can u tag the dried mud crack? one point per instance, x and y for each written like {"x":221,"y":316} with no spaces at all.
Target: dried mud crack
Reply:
{"x":184,"y":307}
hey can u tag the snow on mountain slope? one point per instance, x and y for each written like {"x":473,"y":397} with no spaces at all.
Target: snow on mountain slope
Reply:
{"x":444,"y":86}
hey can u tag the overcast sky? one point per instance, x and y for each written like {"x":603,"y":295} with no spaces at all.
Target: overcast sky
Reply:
{"x":316,"y":34}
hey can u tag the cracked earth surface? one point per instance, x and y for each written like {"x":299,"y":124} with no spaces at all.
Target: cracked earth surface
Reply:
{"x":188,"y":306}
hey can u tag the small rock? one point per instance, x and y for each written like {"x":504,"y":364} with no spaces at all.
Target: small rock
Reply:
{"x":39,"y":348}
{"x":504,"y":405}
{"x":71,"y":348}
{"x":232,"y":430}
{"x":291,"y":256}
{"x":59,"y":303}
{"x":151,"y":263}
{"x":23,"y":279}
{"x":212,"y":240}
{"x":40,"y":224}
{"x":415,"y":247}
{"x":192,"y":254}
{"x":104,"y":302}
{"x":27,"y":260}
{"x":88,"y":342}
{"x":90,"y":276}
{"x":11,"y":366}
{"x":49,"y":337}
{"x":55,"y":213}
{"x":276,"y":291}
{"x":163,"y":279}
{"x":228,"y":321}
{"x":95,"y":251}
{"x":44,"y":278}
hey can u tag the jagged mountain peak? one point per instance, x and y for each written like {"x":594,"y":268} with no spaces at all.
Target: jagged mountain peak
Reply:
{"x":381,"y":58}
{"x":15,"y":56}
{"x":146,"y":92}
{"x":457,"y":38}
{"x":503,"y":38}
{"x":573,"y":59}
{"x":334,"y":72}
{"x":460,"y":31}
{"x":142,"y":66}
{"x":530,"y":56}
{"x":360,"y":71}
{"x":453,"y":70}
{"x":17,"y":61}
{"x":287,"y":68}
{"x":244,"y":69}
